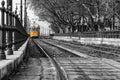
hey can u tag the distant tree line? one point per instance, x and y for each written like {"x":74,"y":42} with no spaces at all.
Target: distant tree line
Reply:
{"x":73,"y":16}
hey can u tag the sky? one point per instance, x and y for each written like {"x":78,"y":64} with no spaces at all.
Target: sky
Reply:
{"x":44,"y":25}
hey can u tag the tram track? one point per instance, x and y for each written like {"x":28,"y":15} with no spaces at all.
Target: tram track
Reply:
{"x":92,"y":50}
{"x":82,"y":67}
{"x":60,"y":75}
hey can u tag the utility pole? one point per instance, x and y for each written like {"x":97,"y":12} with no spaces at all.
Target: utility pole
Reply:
{"x":98,"y":16}
{"x":25,"y":15}
{"x":113,"y":22}
{"x":21,"y":10}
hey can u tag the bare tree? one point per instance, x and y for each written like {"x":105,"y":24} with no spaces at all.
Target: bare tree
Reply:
{"x":78,"y":15}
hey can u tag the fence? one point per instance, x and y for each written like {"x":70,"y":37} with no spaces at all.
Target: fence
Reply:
{"x":100,"y":34}
{"x":11,"y":32}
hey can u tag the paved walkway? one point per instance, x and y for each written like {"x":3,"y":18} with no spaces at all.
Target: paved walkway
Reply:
{"x":11,"y":62}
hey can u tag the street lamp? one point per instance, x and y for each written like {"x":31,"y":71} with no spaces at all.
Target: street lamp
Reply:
{"x":9,"y":4}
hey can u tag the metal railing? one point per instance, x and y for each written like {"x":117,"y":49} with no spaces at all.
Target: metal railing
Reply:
{"x":100,"y":34}
{"x":11,"y":32}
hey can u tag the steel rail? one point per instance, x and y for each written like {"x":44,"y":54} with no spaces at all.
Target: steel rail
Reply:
{"x":60,"y":74}
{"x":94,"y":49}
{"x":79,"y":55}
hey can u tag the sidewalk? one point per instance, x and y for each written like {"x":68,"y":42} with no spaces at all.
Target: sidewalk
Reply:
{"x":12,"y":61}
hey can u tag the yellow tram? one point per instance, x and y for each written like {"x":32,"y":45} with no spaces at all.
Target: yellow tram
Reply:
{"x":34,"y":32}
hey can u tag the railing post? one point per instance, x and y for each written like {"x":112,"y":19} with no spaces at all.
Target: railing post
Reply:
{"x":9,"y":50}
{"x":14,"y":33}
{"x":2,"y":33}
{"x":7,"y":32}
